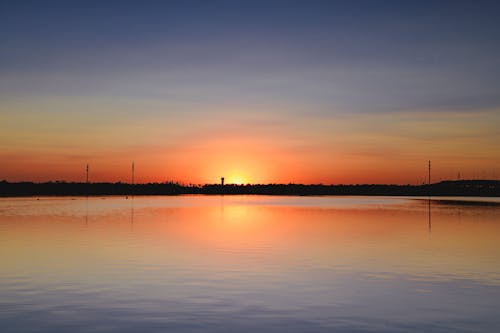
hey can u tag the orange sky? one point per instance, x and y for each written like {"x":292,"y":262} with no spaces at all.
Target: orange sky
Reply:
{"x":252,"y":148}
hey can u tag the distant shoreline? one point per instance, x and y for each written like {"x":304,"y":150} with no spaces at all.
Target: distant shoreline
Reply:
{"x":473,"y":188}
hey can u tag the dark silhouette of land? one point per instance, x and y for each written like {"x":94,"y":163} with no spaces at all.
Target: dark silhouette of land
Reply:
{"x":485,"y":188}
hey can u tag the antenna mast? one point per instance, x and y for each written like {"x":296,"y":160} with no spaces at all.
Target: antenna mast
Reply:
{"x":133,"y":172}
{"x":429,"y":172}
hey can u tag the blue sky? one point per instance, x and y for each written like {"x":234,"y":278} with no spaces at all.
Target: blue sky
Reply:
{"x":356,"y":56}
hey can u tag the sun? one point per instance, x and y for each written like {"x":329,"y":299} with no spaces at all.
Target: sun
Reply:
{"x":237,"y":179}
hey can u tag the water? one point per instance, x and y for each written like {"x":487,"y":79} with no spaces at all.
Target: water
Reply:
{"x":249,"y":264}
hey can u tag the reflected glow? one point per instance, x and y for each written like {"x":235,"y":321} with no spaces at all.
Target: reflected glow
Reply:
{"x":265,"y":260}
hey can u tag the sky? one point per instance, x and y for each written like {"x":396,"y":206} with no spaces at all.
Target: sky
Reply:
{"x":256,"y":91}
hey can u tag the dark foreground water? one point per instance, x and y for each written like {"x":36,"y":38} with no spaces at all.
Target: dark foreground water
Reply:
{"x":248,"y":264}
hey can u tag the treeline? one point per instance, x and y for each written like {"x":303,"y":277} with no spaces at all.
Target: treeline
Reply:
{"x":489,"y":188}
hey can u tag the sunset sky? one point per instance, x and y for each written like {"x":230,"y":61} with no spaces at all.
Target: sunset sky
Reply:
{"x":256,"y":91}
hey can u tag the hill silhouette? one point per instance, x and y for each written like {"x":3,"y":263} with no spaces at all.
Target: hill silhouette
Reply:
{"x":489,"y":188}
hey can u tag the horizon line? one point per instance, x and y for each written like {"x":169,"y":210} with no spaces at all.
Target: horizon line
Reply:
{"x":184,"y":184}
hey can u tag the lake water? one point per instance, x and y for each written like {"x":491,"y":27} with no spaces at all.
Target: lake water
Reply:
{"x":249,"y":264}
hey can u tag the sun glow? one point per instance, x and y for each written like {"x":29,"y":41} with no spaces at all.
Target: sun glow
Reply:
{"x":237,"y":179}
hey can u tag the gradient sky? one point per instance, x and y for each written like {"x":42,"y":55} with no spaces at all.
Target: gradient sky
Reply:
{"x":256,"y":91}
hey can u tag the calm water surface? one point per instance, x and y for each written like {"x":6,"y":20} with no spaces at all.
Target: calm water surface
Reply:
{"x":249,"y":264}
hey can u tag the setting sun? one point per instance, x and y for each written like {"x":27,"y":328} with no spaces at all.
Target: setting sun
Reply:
{"x":237,"y":179}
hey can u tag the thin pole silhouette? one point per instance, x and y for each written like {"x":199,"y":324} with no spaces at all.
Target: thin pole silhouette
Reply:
{"x":132,"y":180}
{"x":87,"y":179}
{"x":429,"y":180}
{"x":133,"y":172}
{"x":429,"y":172}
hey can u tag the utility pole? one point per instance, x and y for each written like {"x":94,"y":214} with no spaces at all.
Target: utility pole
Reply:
{"x":87,"y":179}
{"x":429,"y":172}
{"x":429,"y":180}
{"x":133,"y":171}
{"x":132,"y":181}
